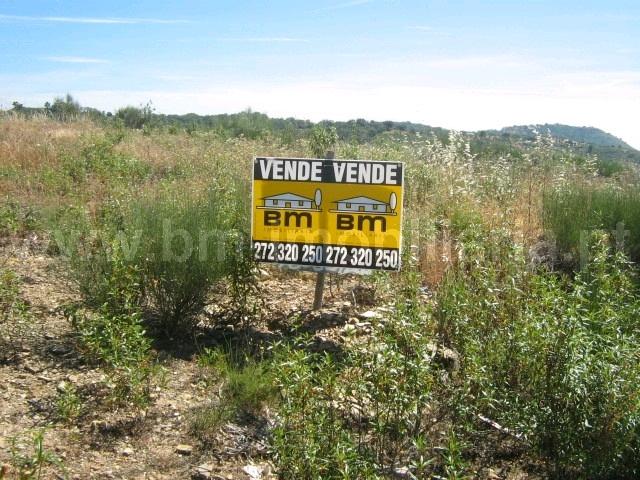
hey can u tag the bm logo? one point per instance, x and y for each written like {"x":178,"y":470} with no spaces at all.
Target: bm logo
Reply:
{"x":274,"y":218}
{"x":292,"y":210}
{"x":344,"y":221}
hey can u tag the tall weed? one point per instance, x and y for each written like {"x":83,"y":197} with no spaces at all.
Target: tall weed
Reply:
{"x":16,"y":318}
{"x":361,"y":417}
{"x":570,"y":213}
{"x":551,"y":359}
{"x":187,"y":244}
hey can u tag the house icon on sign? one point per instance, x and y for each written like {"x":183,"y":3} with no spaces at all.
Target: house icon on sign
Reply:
{"x":288,"y":201}
{"x":363,"y":205}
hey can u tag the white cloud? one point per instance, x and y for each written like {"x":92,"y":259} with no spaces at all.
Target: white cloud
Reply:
{"x":75,"y":60}
{"x":91,"y":20}
{"x":340,"y":6}
{"x":502,"y":61}
{"x":266,"y":40}
{"x":178,"y":78}
{"x":428,"y":31}
{"x":352,"y":3}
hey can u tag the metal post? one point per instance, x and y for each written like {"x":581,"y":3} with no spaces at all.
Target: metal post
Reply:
{"x":317,"y":299}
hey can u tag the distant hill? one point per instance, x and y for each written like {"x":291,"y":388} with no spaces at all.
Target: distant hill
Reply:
{"x":586,"y":140}
{"x":589,"y":135}
{"x":253,"y":124}
{"x":583,"y":140}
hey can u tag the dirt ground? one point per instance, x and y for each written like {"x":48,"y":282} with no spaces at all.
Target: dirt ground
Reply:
{"x":156,"y":442}
{"x":150,"y":443}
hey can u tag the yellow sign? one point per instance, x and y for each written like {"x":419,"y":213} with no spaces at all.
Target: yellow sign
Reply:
{"x":332,"y":215}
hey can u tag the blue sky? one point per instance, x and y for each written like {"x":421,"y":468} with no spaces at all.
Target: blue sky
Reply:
{"x":457,"y":64}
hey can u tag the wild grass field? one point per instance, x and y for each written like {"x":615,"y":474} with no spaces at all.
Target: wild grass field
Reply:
{"x":139,"y":340}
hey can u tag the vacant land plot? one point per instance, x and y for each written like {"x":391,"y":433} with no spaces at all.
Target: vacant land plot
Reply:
{"x":139,"y":339}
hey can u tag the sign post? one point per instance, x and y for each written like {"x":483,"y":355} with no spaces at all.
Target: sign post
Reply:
{"x":319,"y":291}
{"x":327,"y":215}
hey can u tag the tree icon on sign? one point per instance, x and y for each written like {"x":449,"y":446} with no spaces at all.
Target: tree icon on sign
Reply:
{"x":318,"y":198}
{"x":393,"y":202}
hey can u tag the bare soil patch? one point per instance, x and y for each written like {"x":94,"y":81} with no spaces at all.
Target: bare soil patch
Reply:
{"x":155,"y":442}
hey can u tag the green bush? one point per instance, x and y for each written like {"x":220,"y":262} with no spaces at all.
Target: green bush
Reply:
{"x":550,"y":359}
{"x":322,"y":139}
{"x":134,"y":117}
{"x":100,"y":157}
{"x":610,"y":168}
{"x":463,"y":217}
{"x":246,"y":386}
{"x":187,"y":244}
{"x":248,"y":383}
{"x":364,"y":416}
{"x":111,"y":333}
{"x":15,"y":315}
{"x":68,"y":403}
{"x":102,"y":268}
{"x":118,"y":342}
{"x":31,"y":459}
{"x":15,"y":218}
{"x":570,"y":213}
{"x":163,"y":253}
{"x":313,"y":440}
{"x":69,"y":230}
{"x":9,"y":294}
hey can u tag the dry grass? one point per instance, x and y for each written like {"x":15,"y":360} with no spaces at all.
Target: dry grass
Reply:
{"x":446,"y":185}
{"x":29,"y":147}
{"x":29,"y":144}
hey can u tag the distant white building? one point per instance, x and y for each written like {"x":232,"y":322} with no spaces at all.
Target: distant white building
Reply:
{"x":288,"y":200}
{"x":362,"y":204}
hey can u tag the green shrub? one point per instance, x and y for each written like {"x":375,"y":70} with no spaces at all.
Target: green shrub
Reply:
{"x":245,"y":387}
{"x":15,"y":218}
{"x":9,"y":294}
{"x":550,"y":359}
{"x":570,"y":213}
{"x":454,"y":465}
{"x":99,"y":157}
{"x":108,"y":280}
{"x":134,"y":117}
{"x":478,"y":293}
{"x":462,"y":218}
{"x":360,"y":418}
{"x":163,"y":253}
{"x":69,"y":228}
{"x":610,"y":168}
{"x":68,"y":403}
{"x":30,"y":465}
{"x":112,"y":333}
{"x":322,"y":139}
{"x":247,"y":383}
{"x":15,"y":315}
{"x":119,"y":343}
{"x":187,"y":244}
{"x":313,"y":439}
